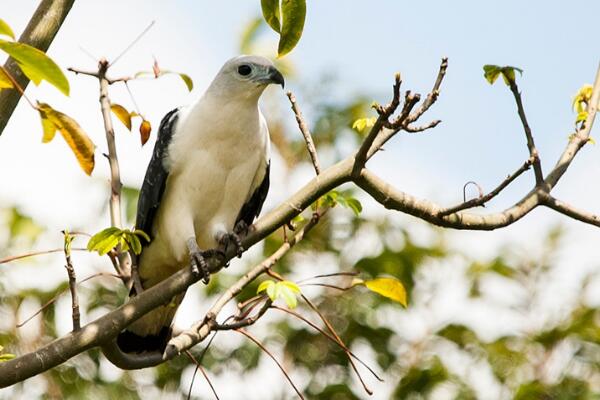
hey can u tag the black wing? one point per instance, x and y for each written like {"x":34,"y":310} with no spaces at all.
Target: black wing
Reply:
{"x":156,"y":175}
{"x":252,"y":208}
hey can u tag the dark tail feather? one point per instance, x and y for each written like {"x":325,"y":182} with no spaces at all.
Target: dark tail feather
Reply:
{"x":130,"y":342}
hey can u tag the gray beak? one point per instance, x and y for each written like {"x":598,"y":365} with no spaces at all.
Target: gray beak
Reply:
{"x":275,"y":76}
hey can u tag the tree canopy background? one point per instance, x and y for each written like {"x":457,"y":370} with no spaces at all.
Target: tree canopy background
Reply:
{"x":512,"y":313}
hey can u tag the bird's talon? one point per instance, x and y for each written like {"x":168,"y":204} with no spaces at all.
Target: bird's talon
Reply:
{"x":231,"y":238}
{"x":200,"y":267}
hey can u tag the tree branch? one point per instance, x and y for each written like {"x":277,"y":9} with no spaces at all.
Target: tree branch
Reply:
{"x":533,"y":153}
{"x":39,"y":33}
{"x":481,"y":200}
{"x":310,"y":144}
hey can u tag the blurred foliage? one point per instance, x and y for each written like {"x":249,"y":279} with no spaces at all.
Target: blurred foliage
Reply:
{"x":419,"y":354}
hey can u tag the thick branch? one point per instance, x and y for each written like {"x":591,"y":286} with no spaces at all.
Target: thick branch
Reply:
{"x":571,"y":211}
{"x":39,"y":33}
{"x":106,"y":328}
{"x":394,"y":199}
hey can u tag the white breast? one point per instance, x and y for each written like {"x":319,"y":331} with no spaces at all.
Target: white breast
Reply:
{"x":216,"y":161}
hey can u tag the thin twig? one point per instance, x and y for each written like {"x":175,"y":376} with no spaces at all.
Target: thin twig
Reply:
{"x":481,"y":200}
{"x":75,"y":315}
{"x":361,"y":156}
{"x":341,"y":344}
{"x":333,"y":274}
{"x":418,"y":129}
{"x":52,"y":300}
{"x":533,"y":153}
{"x":199,"y":367}
{"x":17,"y":87}
{"x":433,"y":95}
{"x":327,"y":285}
{"x":37,"y":253}
{"x":130,"y":45}
{"x":135,"y":105}
{"x":263,"y":348}
{"x":245,"y":321}
{"x":338,"y":338}
{"x":310,"y":145}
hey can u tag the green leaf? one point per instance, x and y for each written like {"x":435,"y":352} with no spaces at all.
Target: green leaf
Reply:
{"x":271,"y":13}
{"x":6,"y":30}
{"x":6,"y":356}
{"x":36,"y":65}
{"x":362,"y":123}
{"x":264,"y":286}
{"x":347,"y":201}
{"x":101,"y":240}
{"x":142,"y":234}
{"x":388,"y":287}
{"x":491,"y":73}
{"x":288,"y":296}
{"x":285,"y":290}
{"x":109,"y":238}
{"x":293,"y":14}
{"x":122,"y":114}
{"x":354,"y":205}
{"x":134,"y":242}
{"x":79,"y":142}
{"x":5,"y":82}
{"x":68,"y":240}
{"x":290,"y":286}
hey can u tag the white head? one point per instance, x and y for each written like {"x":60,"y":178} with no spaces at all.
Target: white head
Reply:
{"x":245,"y":77}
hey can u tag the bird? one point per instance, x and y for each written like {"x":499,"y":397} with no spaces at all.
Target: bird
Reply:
{"x":206,"y":182}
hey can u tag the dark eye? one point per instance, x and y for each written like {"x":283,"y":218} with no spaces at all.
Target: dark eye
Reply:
{"x":244,"y":70}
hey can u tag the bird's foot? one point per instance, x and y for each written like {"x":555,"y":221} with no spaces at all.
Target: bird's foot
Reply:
{"x":198,"y":259}
{"x":242,"y":228}
{"x":230,"y":238}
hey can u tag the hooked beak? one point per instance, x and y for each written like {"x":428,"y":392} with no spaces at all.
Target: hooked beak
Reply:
{"x":273,"y":76}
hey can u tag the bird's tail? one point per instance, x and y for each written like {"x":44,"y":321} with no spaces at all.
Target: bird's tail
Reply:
{"x":152,"y":331}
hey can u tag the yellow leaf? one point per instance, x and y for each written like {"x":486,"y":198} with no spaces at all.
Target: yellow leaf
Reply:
{"x":187,"y":80}
{"x":362,"y":123}
{"x":48,"y":127}
{"x":388,"y":287}
{"x":76,"y":138}
{"x":5,"y":82}
{"x":145,"y":129}
{"x":121,"y":113}
{"x":582,"y":97}
{"x":6,"y":30}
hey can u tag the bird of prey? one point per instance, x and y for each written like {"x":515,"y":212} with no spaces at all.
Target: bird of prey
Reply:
{"x":206,"y":181}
